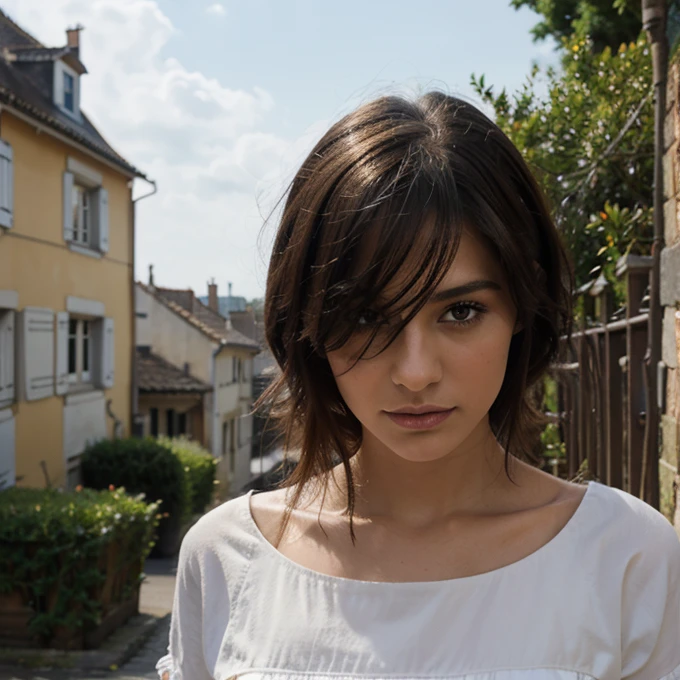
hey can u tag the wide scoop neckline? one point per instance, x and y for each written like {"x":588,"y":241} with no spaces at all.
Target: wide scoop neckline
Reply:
{"x":552,"y":546}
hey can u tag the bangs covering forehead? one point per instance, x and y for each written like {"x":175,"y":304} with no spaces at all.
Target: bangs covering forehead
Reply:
{"x":383,"y":243}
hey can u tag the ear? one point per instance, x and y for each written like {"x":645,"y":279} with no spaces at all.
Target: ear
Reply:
{"x":518,"y":327}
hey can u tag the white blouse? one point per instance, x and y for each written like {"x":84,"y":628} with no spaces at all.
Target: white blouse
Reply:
{"x":600,"y":600}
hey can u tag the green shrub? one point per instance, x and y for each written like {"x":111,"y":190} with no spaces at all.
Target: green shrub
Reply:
{"x":141,"y":466}
{"x":54,"y":548}
{"x":199,"y":466}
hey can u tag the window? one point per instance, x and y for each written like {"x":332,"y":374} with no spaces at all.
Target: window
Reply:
{"x":69,"y":92}
{"x":234,"y":369}
{"x":82,"y":215}
{"x":66,"y":85}
{"x":232,"y":446}
{"x":86,"y":209}
{"x":170,"y":422}
{"x":153,"y":416}
{"x":85,"y":348}
{"x":79,"y":351}
{"x":225,"y":437}
{"x":181,"y":423}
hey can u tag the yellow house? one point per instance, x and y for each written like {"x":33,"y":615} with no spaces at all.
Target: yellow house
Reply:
{"x":66,"y":268}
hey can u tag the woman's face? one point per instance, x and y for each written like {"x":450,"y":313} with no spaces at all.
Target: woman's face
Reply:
{"x":430,"y":391}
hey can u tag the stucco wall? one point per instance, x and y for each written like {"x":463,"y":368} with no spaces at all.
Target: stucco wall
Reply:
{"x":36,"y":262}
{"x":172,"y":337}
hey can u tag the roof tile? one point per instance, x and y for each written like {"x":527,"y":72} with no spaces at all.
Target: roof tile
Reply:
{"x":155,"y":374}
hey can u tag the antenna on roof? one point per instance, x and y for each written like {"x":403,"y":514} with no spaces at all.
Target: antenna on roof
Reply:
{"x":228,"y":314}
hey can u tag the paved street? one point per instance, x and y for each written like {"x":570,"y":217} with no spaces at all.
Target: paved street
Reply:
{"x":155,"y":599}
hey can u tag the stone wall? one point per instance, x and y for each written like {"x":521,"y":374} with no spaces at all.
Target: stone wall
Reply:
{"x":670,"y":299}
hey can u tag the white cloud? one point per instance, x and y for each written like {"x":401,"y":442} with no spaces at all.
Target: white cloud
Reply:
{"x":205,"y":143}
{"x":217,"y":9}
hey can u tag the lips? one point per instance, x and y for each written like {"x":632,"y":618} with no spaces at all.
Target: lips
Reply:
{"x":418,"y":410}
{"x":419,"y":418}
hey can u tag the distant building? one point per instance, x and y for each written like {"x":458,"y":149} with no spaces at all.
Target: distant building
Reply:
{"x":265,"y":439}
{"x":227,"y":305}
{"x":66,"y":263}
{"x":185,"y":347}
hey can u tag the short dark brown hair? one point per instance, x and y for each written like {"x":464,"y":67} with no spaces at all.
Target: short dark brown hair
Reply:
{"x":406,"y":177}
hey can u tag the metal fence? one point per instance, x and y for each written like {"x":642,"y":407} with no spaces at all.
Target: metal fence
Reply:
{"x":601,"y":386}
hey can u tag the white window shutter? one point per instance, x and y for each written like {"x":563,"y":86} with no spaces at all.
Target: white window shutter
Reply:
{"x":6,"y":185}
{"x":102,"y":207}
{"x":7,"y":452}
{"x":109,"y":349}
{"x":61,"y":383}
{"x":58,"y":84}
{"x":7,"y":372}
{"x":38,"y":348}
{"x":68,"y":206}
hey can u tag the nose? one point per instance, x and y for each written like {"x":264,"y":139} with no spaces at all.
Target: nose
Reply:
{"x":415,"y":359}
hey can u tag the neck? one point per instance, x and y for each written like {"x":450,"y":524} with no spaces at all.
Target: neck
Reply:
{"x":467,"y":480}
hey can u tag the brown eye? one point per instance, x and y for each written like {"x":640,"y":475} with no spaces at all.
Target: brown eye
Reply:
{"x":464,"y":313}
{"x":461,"y":313}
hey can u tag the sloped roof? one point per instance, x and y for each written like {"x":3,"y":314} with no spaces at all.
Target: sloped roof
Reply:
{"x":155,"y":374}
{"x":228,"y":336}
{"x":20,"y":91}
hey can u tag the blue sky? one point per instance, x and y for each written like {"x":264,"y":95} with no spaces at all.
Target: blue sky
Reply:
{"x":317,"y":59}
{"x":220,"y":101}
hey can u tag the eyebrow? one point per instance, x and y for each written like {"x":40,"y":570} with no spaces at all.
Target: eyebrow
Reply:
{"x":464,"y":289}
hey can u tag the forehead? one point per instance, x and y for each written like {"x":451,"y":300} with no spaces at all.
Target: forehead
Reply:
{"x":473,"y":260}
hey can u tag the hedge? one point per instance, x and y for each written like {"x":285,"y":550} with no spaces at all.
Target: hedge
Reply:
{"x":142,"y":466}
{"x":53,"y":543}
{"x":199,"y":466}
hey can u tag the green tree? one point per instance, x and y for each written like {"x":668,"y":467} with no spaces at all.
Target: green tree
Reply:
{"x":606,"y":23}
{"x":591,"y":145}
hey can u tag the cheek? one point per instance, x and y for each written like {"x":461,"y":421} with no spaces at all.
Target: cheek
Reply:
{"x":479,"y":367}
{"x":358,"y":382}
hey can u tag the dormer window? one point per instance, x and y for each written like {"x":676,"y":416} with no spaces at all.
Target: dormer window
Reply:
{"x":69,"y":92}
{"x":67,"y":89}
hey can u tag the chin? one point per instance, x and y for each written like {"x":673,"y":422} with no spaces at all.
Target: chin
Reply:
{"x":423,"y":447}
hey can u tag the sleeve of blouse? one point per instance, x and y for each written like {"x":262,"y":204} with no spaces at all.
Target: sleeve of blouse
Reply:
{"x":650,"y":612}
{"x":185,"y":659}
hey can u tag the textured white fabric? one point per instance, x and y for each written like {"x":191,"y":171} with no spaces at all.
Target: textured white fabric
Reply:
{"x":600,"y":600}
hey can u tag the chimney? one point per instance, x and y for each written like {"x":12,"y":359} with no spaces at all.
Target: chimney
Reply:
{"x":73,"y":39}
{"x":151,"y":276}
{"x":73,"y":36}
{"x":213,"y":301}
{"x":186,"y":368}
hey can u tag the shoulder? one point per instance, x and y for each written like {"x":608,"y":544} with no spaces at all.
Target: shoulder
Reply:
{"x":622,"y":516}
{"x":631,"y":544}
{"x":223,"y":532}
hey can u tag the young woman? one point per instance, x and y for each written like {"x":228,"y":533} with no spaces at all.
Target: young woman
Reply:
{"x":417,"y":291}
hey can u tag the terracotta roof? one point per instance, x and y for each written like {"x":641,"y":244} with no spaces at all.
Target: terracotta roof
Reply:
{"x":155,"y":374}
{"x":214,"y":330}
{"x":24,"y":93}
